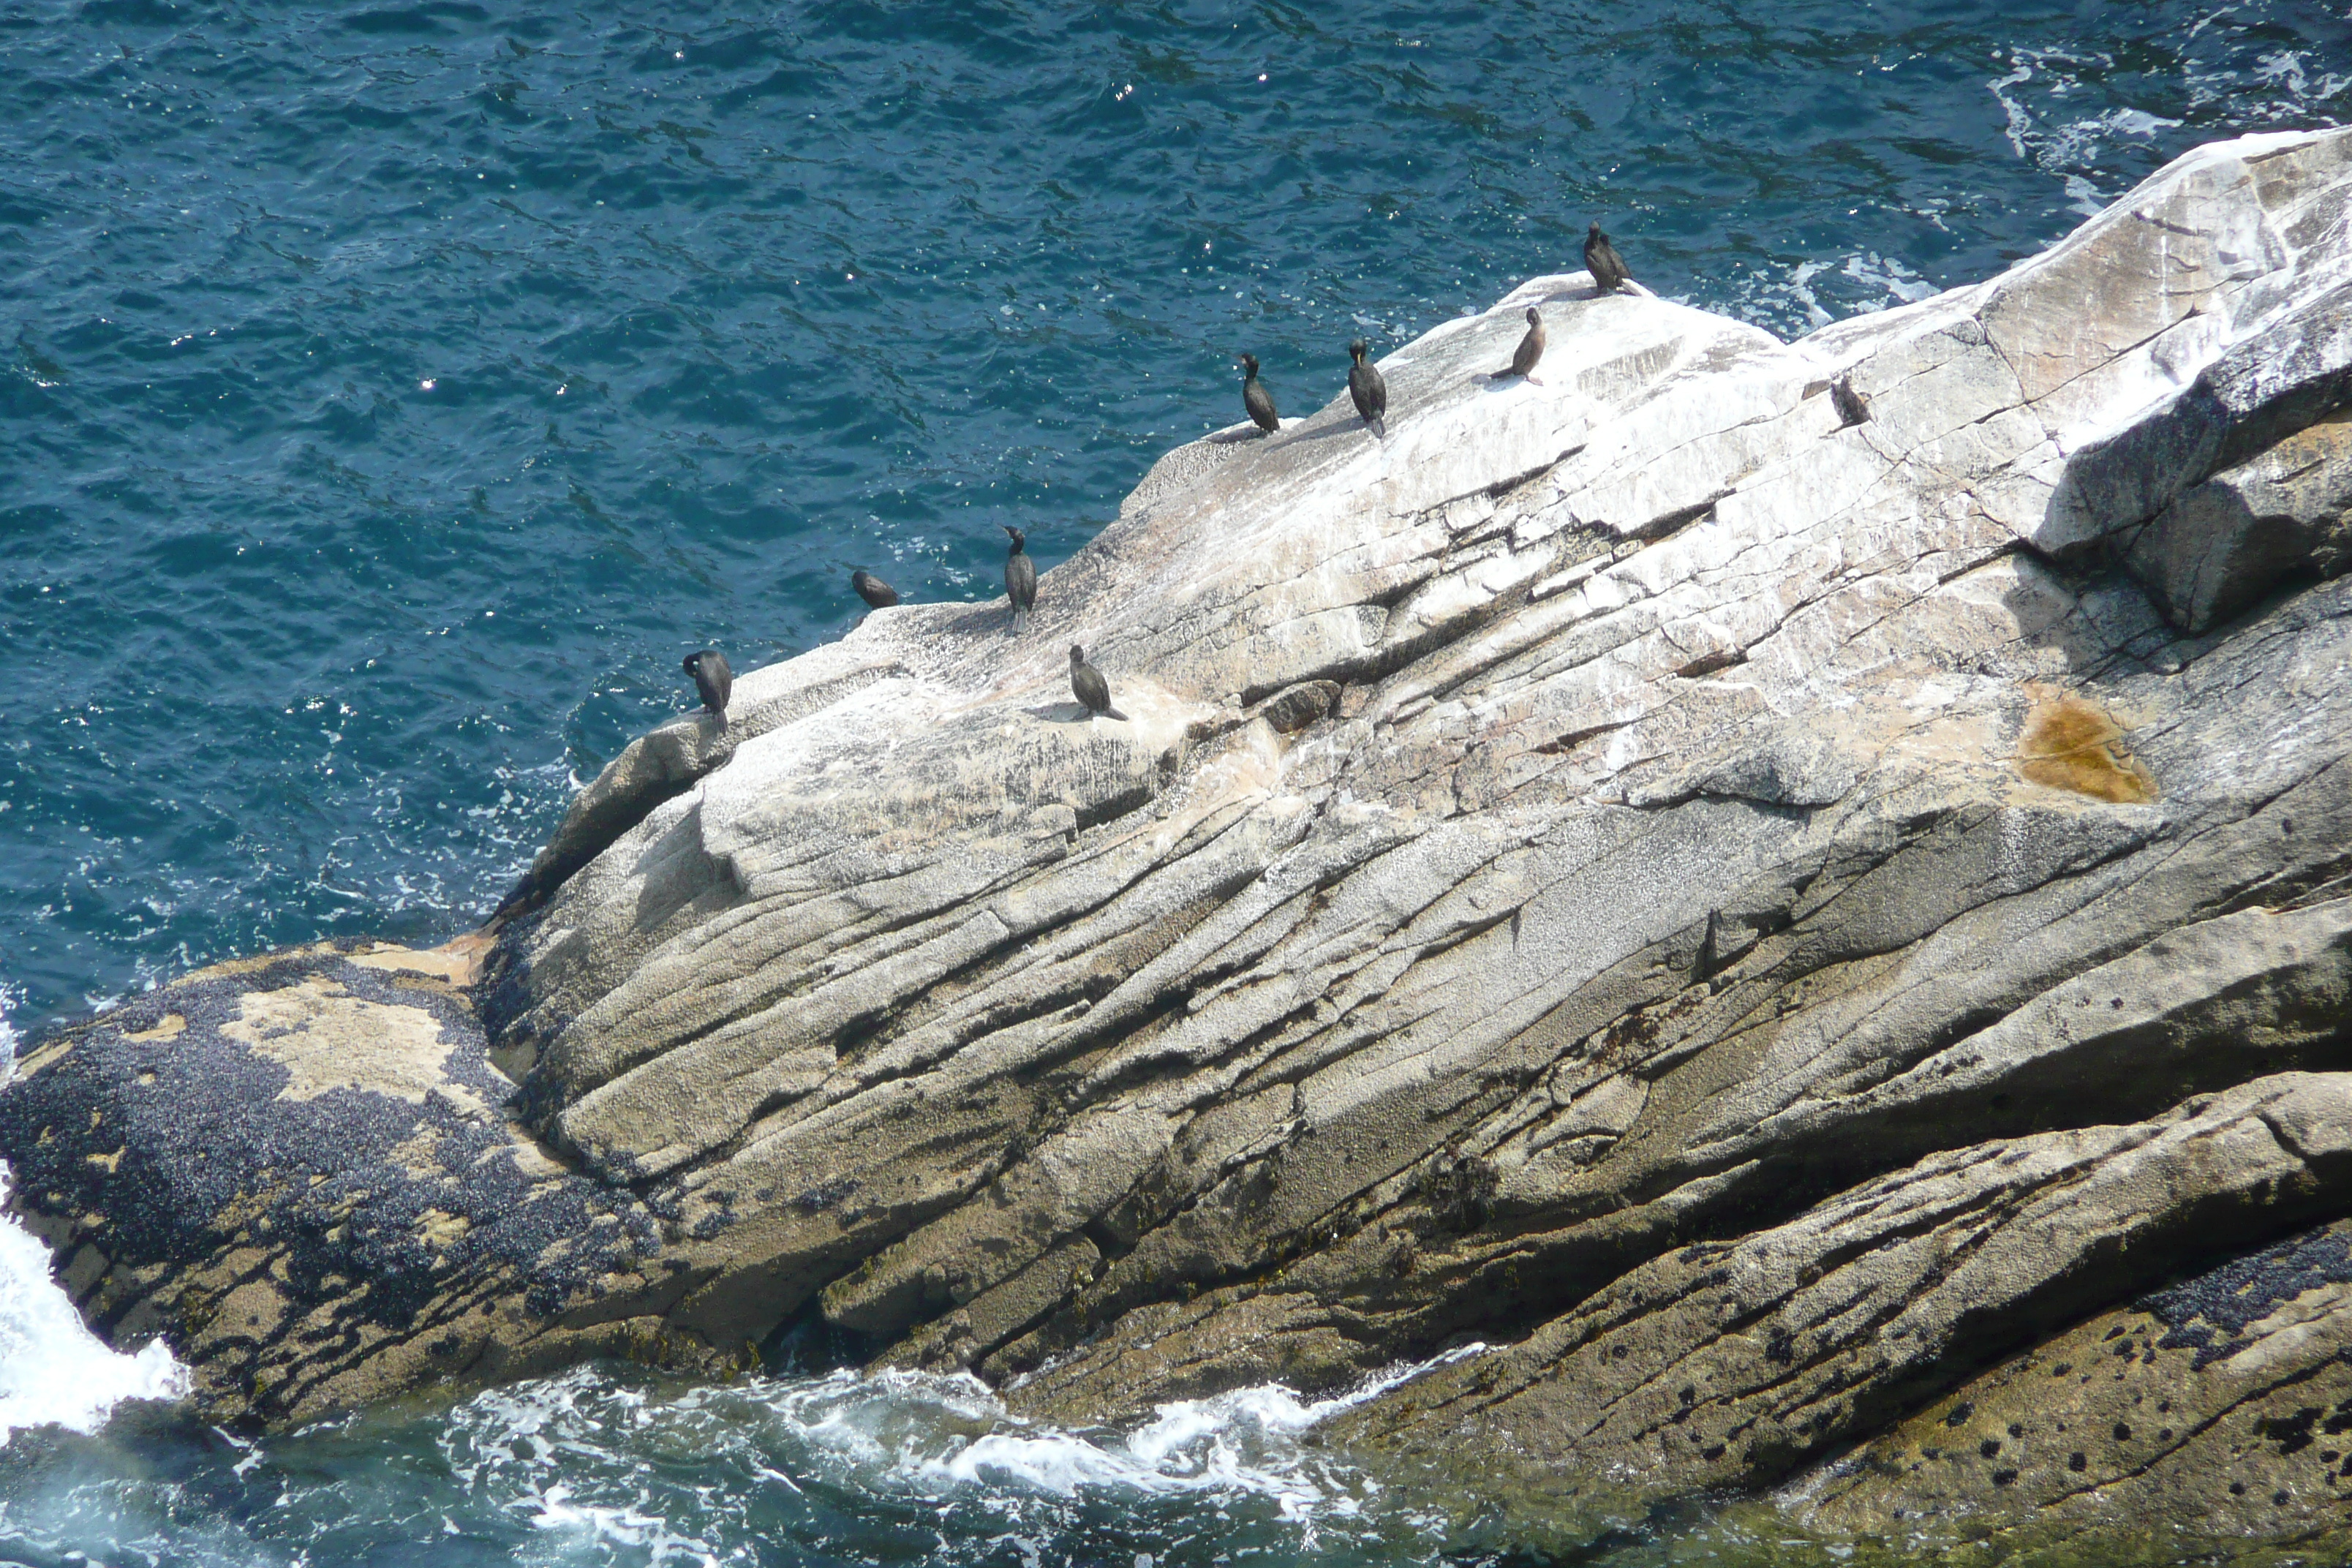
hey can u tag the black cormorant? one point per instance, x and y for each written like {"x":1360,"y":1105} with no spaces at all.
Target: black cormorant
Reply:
{"x":1531,"y":350}
{"x":1369,"y":388}
{"x":1256,"y":398}
{"x":878,"y":594}
{"x":713,"y":679}
{"x":1087,"y":683}
{"x":1600,"y":258}
{"x":1853,"y":408}
{"x":1020,"y":577}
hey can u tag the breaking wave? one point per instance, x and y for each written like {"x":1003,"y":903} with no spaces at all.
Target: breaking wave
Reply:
{"x":53,"y":1370}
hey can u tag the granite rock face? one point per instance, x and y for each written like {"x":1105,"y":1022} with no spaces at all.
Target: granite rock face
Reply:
{"x":2283,"y":514}
{"x":2214,"y":1399}
{"x":1727,"y":1362}
{"x":1760,"y":917}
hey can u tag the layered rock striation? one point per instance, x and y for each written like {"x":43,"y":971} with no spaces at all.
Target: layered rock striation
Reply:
{"x":1760,"y":917}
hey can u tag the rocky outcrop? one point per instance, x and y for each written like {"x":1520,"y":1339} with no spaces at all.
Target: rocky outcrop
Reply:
{"x":1735,"y":1363}
{"x":301,"y":1170}
{"x":2223,"y":1401}
{"x":1762,"y":916}
{"x":2285,"y":512}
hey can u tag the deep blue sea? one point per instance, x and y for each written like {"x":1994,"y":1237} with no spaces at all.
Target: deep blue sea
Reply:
{"x":390,"y":392}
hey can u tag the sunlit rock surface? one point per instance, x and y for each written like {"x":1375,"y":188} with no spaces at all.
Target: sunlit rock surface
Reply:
{"x":1759,"y":917}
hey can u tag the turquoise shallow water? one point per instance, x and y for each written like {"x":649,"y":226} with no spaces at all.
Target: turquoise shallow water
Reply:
{"x":391,"y":394}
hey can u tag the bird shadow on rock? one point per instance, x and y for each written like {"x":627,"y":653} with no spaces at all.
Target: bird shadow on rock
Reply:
{"x":1339,"y":426}
{"x":1059,"y":712}
{"x":975,"y":617}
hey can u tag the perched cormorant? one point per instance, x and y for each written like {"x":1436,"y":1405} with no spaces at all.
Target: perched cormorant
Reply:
{"x":878,"y":594}
{"x":1600,"y":258}
{"x":1256,"y":398}
{"x":1020,"y":577}
{"x":1087,"y":683}
{"x":1369,"y":388}
{"x":1530,"y":348}
{"x":712,"y":679}
{"x":1853,"y":408}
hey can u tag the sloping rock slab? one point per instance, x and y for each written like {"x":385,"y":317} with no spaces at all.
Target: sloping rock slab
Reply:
{"x":2219,"y":1405}
{"x":2224,"y":543}
{"x":1739,"y":1361}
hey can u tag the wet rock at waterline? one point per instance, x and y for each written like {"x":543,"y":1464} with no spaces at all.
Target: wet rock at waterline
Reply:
{"x":303,"y":1172}
{"x":1740,"y":1361}
{"x":1639,"y":871}
{"x":2224,"y":1400}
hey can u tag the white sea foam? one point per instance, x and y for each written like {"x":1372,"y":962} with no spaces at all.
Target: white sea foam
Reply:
{"x":53,"y":1370}
{"x":2035,"y":96}
{"x":1861,"y":281}
{"x":1239,"y":1442}
{"x":586,"y":1459}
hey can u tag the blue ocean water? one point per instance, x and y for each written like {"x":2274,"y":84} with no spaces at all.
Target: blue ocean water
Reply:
{"x":390,"y":392}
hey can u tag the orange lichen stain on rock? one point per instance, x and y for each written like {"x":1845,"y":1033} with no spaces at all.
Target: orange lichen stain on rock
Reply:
{"x":2071,"y":744}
